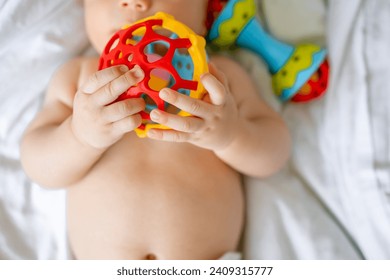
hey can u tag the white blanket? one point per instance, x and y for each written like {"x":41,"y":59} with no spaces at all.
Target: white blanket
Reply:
{"x":35,"y":38}
{"x":331,"y":201}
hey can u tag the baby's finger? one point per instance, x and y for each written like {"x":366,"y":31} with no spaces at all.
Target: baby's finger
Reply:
{"x":188,"y":104}
{"x":126,"y":124}
{"x":218,"y":74}
{"x":179,"y":123}
{"x":101,"y":78}
{"x":111,"y":91}
{"x":122,"y":109}
{"x":215,"y":88}
{"x":168,"y":135}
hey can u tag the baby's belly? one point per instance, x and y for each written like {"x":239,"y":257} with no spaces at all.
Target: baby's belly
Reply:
{"x":156,"y":200}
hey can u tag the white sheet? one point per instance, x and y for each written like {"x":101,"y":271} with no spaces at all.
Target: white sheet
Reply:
{"x":36,"y":37}
{"x":332,"y":201}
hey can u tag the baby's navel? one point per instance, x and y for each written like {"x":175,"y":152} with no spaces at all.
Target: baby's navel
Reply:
{"x":151,"y":257}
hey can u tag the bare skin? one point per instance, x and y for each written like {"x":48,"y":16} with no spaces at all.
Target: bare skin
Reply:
{"x":174,"y":195}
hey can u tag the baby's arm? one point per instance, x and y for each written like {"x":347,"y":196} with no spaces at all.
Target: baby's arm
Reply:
{"x":76,"y":126}
{"x":232,"y":121}
{"x":261,"y":145}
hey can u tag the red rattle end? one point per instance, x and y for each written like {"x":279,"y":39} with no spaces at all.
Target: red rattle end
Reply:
{"x":315,"y":86}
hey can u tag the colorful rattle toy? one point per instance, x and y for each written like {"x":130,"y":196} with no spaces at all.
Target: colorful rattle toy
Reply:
{"x":298,"y":73}
{"x":170,"y":54}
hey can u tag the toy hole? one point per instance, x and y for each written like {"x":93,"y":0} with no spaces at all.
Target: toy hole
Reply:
{"x":184,"y":66}
{"x":130,"y":57}
{"x":150,"y":104}
{"x":284,"y":73}
{"x":183,"y":51}
{"x":245,"y":15}
{"x":119,"y":55}
{"x":296,"y":58}
{"x":234,"y":31}
{"x":169,"y":108}
{"x":155,"y":51}
{"x":114,"y":44}
{"x":184,"y":91}
{"x":173,"y":109}
{"x":165,"y":32}
{"x":159,"y":79}
{"x":136,"y":36}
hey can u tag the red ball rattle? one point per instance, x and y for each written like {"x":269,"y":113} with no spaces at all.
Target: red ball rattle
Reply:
{"x":170,"y":54}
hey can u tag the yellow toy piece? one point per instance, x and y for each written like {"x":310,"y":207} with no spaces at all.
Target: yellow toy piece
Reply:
{"x":243,"y":12}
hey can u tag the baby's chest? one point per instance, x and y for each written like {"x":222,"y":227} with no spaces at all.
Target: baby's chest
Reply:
{"x":144,"y":160}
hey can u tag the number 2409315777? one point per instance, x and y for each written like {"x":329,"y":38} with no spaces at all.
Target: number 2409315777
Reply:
{"x":241,"y":270}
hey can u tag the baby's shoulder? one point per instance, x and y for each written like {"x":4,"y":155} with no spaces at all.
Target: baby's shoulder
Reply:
{"x":76,"y":70}
{"x":69,"y":77}
{"x":221,"y":59}
{"x":235,"y":74}
{"x":87,"y":66}
{"x":228,"y":66}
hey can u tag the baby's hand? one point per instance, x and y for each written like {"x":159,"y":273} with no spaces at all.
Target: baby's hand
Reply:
{"x":214,"y":119}
{"x":96,"y":121}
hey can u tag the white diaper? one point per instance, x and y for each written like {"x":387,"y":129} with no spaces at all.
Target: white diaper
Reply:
{"x":231,"y":256}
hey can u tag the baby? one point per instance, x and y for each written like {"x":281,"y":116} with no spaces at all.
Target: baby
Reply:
{"x":176,"y":194}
